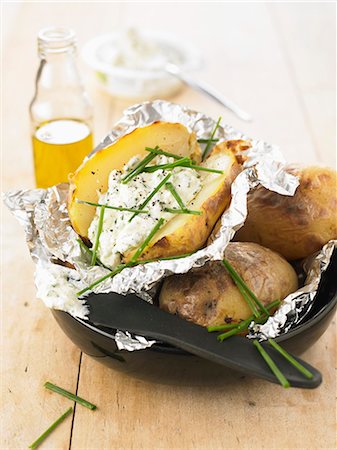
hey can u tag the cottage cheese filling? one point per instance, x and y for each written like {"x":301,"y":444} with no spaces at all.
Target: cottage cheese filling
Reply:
{"x":118,"y":234}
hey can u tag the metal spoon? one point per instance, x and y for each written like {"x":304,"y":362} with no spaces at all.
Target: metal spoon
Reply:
{"x":174,"y":70}
{"x":132,"y":314}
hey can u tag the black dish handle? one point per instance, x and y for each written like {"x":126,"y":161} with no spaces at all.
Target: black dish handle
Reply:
{"x":133,"y":314}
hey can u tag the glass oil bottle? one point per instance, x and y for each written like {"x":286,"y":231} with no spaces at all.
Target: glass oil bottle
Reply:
{"x":61,"y":114}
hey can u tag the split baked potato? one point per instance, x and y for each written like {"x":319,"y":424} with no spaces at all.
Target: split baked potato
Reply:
{"x":208,"y":295}
{"x":182,"y":233}
{"x":91,"y":178}
{"x":297,"y":226}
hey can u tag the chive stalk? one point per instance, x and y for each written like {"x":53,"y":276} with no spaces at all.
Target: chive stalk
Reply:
{"x":179,"y":163}
{"x":176,"y":196}
{"x":183,"y":211}
{"x":229,"y":326}
{"x":152,"y":194}
{"x":120,"y":267}
{"x":203,"y":169}
{"x":98,"y":234}
{"x":239,"y":281}
{"x":43,"y":436}
{"x":65,"y":393}
{"x":209,"y":141}
{"x":289,"y":358}
{"x":116,"y":208}
{"x":206,"y":141}
{"x":111,"y":274}
{"x":159,"y":151}
{"x":138,"y":169}
{"x":141,"y":248}
{"x":273,"y":367}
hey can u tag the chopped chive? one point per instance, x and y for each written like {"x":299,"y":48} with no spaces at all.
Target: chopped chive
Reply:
{"x":69,"y":395}
{"x":140,"y":249}
{"x":229,"y":326}
{"x":138,"y":169}
{"x":209,"y":142}
{"x":175,"y":194}
{"x":99,"y":231}
{"x":179,"y":163}
{"x":111,"y":274}
{"x":289,"y":358}
{"x":222,"y":327}
{"x":242,"y":326}
{"x":206,"y":141}
{"x":85,"y":248}
{"x":167,"y":258}
{"x":239,"y":281}
{"x":39,"y":440}
{"x":158,"y":151}
{"x":183,"y":211}
{"x":203,"y":169}
{"x":117,"y":208}
{"x":273,"y":367}
{"x":152,"y":194}
{"x":120,"y":267}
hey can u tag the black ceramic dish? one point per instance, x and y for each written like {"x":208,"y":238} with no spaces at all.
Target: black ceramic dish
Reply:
{"x":167,"y":364}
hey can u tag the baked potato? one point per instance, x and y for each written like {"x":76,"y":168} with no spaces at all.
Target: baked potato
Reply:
{"x":100,"y":177}
{"x":294,"y":226}
{"x":208,"y":296}
{"x":91,"y":177}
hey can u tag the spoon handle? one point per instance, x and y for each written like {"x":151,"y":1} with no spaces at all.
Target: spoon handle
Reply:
{"x":129,"y":313}
{"x":200,"y":86}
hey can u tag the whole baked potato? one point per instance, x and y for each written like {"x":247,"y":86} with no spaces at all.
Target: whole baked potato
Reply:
{"x":294,"y":226}
{"x":208,"y":295}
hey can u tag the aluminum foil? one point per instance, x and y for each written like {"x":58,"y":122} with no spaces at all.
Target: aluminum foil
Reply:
{"x":52,"y":241}
{"x":296,"y":306}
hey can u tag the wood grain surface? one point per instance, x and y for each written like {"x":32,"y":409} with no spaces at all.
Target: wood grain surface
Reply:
{"x":278,"y":62}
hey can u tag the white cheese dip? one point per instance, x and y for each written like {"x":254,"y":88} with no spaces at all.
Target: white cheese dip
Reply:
{"x":118,"y":234}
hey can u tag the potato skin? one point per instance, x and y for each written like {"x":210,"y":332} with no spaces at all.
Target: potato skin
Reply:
{"x":294,"y":226}
{"x":208,"y":295}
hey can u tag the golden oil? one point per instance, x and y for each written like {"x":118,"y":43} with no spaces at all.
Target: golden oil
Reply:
{"x":59,"y":147}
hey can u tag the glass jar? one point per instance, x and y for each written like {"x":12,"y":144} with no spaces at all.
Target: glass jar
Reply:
{"x":61,"y":114}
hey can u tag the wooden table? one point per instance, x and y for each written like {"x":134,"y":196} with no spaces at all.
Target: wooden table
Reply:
{"x":277,"y":61}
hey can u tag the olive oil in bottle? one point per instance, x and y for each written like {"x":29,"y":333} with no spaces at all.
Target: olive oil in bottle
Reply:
{"x":59,"y":147}
{"x":61,"y":113}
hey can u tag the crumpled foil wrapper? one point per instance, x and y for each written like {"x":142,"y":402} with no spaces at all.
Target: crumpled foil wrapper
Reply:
{"x":296,"y":305}
{"x":51,"y":239}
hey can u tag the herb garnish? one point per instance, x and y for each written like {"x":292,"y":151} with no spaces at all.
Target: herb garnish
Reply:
{"x":138,"y":169}
{"x":273,"y":367}
{"x":121,"y":267}
{"x":175,"y":194}
{"x":183,"y":162}
{"x":152,"y":194}
{"x":69,"y":395}
{"x":292,"y":360}
{"x":209,"y":141}
{"x":243,"y":287}
{"x":230,"y":326}
{"x":183,"y":211}
{"x":116,"y":208}
{"x":141,"y":248}
{"x":99,"y":231}
{"x":206,"y":141}
{"x":159,"y":151}
{"x":39,"y":440}
{"x":261,"y":318}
